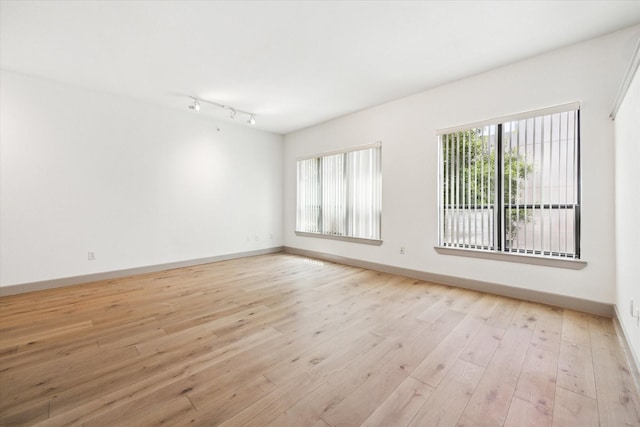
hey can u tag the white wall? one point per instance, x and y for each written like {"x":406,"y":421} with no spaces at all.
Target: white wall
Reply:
{"x":137,"y":184}
{"x":627,"y":143}
{"x":589,"y":72}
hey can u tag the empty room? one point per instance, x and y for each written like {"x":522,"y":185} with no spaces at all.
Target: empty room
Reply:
{"x":319,"y":213}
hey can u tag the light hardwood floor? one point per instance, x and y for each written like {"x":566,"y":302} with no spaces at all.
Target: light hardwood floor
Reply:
{"x":282,"y":340}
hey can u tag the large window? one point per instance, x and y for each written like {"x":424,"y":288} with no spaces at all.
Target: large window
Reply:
{"x":513,"y":185}
{"x":340,"y":194}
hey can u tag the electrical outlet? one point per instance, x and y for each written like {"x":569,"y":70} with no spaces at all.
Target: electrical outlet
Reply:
{"x":631,"y":310}
{"x":91,"y":256}
{"x":401,"y":250}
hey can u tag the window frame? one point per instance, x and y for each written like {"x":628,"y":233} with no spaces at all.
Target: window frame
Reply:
{"x":498,"y":250}
{"x":332,"y":236}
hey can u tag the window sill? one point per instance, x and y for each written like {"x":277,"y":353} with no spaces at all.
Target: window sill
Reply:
{"x":373,"y":242}
{"x":573,"y":264}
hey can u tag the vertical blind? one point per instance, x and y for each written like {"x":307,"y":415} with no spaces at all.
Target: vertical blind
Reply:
{"x":513,"y":186}
{"x":341,"y":194}
{"x":468,"y":184}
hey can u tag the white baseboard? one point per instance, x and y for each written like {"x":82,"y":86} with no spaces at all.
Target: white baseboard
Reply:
{"x":633,"y":358}
{"x":594,"y":307}
{"x":75,"y":280}
{"x":563,"y":301}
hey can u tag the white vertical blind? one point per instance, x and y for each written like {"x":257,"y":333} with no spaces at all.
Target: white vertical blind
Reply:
{"x":341,"y":194}
{"x":334,"y":203}
{"x":542,"y":209}
{"x":364,"y":201}
{"x":467,"y":182}
{"x":513,"y":186}
{"x":309,"y":196}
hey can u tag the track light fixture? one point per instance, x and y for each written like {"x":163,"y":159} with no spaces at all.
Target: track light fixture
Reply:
{"x":233,"y":112}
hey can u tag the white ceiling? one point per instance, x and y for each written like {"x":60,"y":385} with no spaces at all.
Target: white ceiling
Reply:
{"x":293,"y":64}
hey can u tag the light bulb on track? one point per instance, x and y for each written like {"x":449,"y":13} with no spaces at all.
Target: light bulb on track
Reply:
{"x":195,"y":106}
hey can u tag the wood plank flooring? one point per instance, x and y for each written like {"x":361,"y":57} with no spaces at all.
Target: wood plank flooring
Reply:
{"x":282,"y":340}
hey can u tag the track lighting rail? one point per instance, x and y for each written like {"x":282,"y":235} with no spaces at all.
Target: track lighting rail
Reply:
{"x":233,"y":112}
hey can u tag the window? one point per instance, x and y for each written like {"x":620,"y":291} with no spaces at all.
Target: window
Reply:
{"x":340,"y":194}
{"x":513,"y":185}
